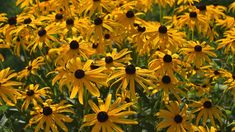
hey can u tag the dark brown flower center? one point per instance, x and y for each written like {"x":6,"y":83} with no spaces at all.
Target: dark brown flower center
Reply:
{"x":193,"y":14}
{"x":107,"y":36}
{"x":198,"y":48}
{"x":130,"y":14}
{"x":216,"y":72}
{"x":30,"y":92}
{"x":167,"y":58}
{"x":207,"y":104}
{"x":74,"y":44}
{"x":42,"y":32}
{"x":102,"y":116}
{"x":12,"y":21}
{"x":141,"y":29}
{"x":162,"y":29}
{"x":59,"y":16}
{"x":27,"y":21}
{"x":233,"y":76}
{"x":47,"y":111}
{"x":178,"y":119}
{"x":166,"y":79}
{"x":98,"y":21}
{"x":79,"y":74}
{"x":95,"y":45}
{"x":70,"y":22}
{"x":96,"y":0}
{"x":108,"y":59}
{"x":130,"y":69}
{"x":127,"y":100}
{"x":29,"y":68}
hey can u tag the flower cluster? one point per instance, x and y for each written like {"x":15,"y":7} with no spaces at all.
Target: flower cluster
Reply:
{"x":160,"y":65}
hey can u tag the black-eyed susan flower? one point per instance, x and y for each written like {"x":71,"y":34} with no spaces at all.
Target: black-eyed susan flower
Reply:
{"x":226,"y":22}
{"x":165,"y":63}
{"x":72,"y":48}
{"x":232,"y":7}
{"x":197,"y":53}
{"x":8,"y":93}
{"x":193,"y":20}
{"x":207,"y":110}
{"x":52,"y":115}
{"x":45,"y":37}
{"x":130,"y":74}
{"x":107,"y":115}
{"x":165,"y":37}
{"x":79,"y":76}
{"x":228,"y":42}
{"x":32,"y":68}
{"x":175,"y":119}
{"x":115,"y":59}
{"x":169,"y":85}
{"x":32,"y":94}
{"x":89,"y":7}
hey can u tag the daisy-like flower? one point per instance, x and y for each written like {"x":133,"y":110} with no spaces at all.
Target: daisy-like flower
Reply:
{"x":100,"y":25}
{"x":207,"y":110}
{"x":127,"y":18}
{"x":32,"y":68}
{"x":226,"y":22}
{"x":166,"y":38}
{"x":175,"y":119}
{"x":51,"y":115}
{"x":165,"y":63}
{"x":197,"y":53}
{"x":228,"y":42}
{"x":193,"y":20}
{"x":115,"y":59}
{"x":129,"y":75}
{"x":232,"y":7}
{"x":8,"y":93}
{"x":100,"y":6}
{"x":32,"y":94}
{"x":79,"y":75}
{"x":72,"y":48}
{"x":169,"y":85}
{"x":107,"y":115}
{"x":45,"y":37}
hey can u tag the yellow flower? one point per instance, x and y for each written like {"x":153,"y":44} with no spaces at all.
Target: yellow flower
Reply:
{"x":45,"y":37}
{"x":197,"y":53}
{"x":129,"y":75}
{"x":115,"y":59}
{"x":193,"y":20}
{"x":175,"y":120}
{"x":169,"y":85}
{"x":33,"y":95}
{"x":164,"y":3}
{"x":232,"y":7}
{"x":72,"y":48}
{"x":79,"y":75}
{"x":51,"y":115}
{"x":165,"y":63}
{"x":7,"y":91}
{"x":191,"y":2}
{"x":32,"y":68}
{"x":107,"y":115}
{"x":165,"y":38}
{"x":207,"y":110}
{"x":228,"y":42}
